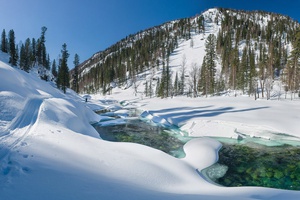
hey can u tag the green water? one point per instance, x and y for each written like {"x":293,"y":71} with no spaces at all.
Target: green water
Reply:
{"x":257,"y":165}
{"x":243,"y":163}
{"x":138,"y":131}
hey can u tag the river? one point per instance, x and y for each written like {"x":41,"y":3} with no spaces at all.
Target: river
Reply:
{"x":250,"y":162}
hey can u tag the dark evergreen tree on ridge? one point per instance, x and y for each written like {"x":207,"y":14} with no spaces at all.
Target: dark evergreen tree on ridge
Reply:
{"x":54,"y":69}
{"x":12,"y":49}
{"x":41,"y":54}
{"x":63,"y":72}
{"x":3,"y":42}
{"x":75,"y":74}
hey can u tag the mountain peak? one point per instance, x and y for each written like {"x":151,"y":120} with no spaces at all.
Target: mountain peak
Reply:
{"x":141,"y":57}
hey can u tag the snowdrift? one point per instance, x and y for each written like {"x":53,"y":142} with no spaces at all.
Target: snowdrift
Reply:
{"x":49,"y":150}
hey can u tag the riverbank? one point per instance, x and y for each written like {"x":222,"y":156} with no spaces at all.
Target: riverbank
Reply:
{"x":232,"y":117}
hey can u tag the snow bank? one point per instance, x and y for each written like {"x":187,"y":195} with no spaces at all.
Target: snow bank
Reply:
{"x":52,"y":152}
{"x":229,"y":117}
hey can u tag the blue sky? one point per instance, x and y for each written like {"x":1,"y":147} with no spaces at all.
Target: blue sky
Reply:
{"x":88,"y":26}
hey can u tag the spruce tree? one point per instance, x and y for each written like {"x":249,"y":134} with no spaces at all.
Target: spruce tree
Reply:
{"x":27,"y":54}
{"x":234,"y":68}
{"x":54,"y":70}
{"x":252,"y":72}
{"x":33,"y":48}
{"x":210,"y":49}
{"x":63,"y":73}
{"x":3,"y":42}
{"x":12,"y":49}
{"x":48,"y":62}
{"x":41,"y":48}
{"x":22,"y":58}
{"x":203,"y":81}
{"x":262,"y":73}
{"x":242,"y":71}
{"x":25,"y":60}
{"x":169,"y":88}
{"x":162,"y":85}
{"x":75,"y":75}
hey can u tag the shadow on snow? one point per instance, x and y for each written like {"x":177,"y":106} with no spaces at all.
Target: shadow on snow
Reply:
{"x":180,"y":115}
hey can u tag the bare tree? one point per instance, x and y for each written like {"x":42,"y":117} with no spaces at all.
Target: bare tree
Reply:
{"x":183,"y":71}
{"x":268,"y":86}
{"x":192,"y":43}
{"x":194,"y":76}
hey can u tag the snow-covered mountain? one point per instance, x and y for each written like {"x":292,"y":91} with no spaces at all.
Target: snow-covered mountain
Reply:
{"x":49,"y":150}
{"x":139,"y":58}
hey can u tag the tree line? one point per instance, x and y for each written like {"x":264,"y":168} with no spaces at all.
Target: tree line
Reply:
{"x":252,"y":57}
{"x":124,"y":61}
{"x":33,"y":53}
{"x":253,"y":48}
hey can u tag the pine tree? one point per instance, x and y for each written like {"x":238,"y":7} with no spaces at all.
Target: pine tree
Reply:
{"x":75,"y":75}
{"x":26,"y":54}
{"x":54,"y":70}
{"x":3,"y":42}
{"x":33,"y":48}
{"x":22,"y":58}
{"x":12,"y":49}
{"x":242,"y":71}
{"x":41,"y":53}
{"x":162,"y":85}
{"x":48,"y":62}
{"x":252,"y":72}
{"x":63,"y":73}
{"x":169,"y":88}
{"x":203,"y":81}
{"x":234,"y":68}
{"x":262,"y":73}
{"x":210,"y":49}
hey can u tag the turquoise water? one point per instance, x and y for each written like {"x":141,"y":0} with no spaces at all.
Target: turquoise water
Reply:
{"x":138,"y":131}
{"x":253,"y":164}
{"x":248,"y":162}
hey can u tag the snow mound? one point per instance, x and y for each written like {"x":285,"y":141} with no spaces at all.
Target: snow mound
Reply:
{"x":49,"y":150}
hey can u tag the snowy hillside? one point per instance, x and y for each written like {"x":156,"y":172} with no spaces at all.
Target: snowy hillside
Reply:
{"x":252,"y":50}
{"x":49,"y":150}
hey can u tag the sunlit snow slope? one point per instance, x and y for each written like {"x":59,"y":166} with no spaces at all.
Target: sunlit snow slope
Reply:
{"x":49,"y":150}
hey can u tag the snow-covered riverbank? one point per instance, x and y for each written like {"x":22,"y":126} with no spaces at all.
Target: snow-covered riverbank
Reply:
{"x":231,"y":117}
{"x":57,"y":154}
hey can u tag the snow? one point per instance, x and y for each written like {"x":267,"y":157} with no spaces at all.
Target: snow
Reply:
{"x":231,"y":117}
{"x":49,"y":150}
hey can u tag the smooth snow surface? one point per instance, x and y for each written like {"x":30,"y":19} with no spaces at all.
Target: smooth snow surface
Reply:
{"x":49,"y":150}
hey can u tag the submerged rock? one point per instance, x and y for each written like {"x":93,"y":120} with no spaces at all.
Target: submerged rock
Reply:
{"x":258,"y":165}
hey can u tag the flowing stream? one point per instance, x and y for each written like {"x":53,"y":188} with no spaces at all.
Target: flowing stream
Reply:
{"x":240,"y":163}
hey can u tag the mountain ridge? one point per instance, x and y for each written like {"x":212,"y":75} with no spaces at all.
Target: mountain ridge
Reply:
{"x":130,"y":56}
